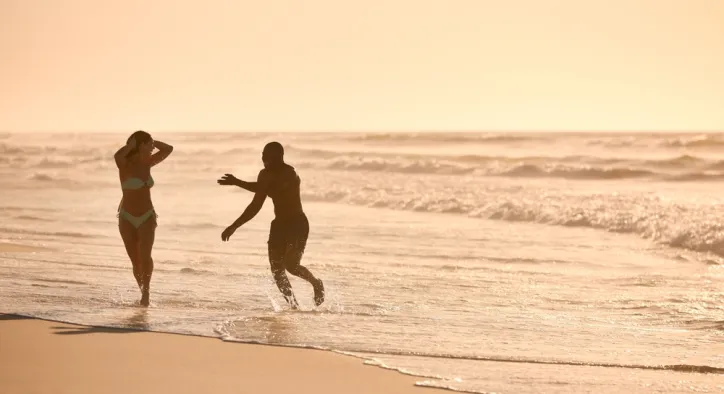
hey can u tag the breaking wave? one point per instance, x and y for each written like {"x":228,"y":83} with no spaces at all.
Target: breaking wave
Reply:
{"x":692,"y":227}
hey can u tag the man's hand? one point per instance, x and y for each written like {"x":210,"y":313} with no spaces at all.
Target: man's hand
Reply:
{"x":228,"y":233}
{"x":228,"y":180}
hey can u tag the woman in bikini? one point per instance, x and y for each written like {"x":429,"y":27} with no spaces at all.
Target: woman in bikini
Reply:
{"x":136,"y":216}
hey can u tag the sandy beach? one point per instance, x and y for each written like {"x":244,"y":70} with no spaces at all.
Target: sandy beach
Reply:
{"x":38,"y":356}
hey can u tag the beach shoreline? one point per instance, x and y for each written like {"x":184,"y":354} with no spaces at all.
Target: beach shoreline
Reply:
{"x":45,"y":356}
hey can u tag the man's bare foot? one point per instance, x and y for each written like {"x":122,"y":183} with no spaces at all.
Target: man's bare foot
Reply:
{"x":292,"y":302}
{"x":318,"y":292}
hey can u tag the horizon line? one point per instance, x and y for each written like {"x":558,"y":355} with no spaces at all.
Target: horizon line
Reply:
{"x":377,"y":131}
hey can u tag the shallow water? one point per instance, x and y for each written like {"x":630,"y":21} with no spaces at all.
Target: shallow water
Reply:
{"x":475,"y":280}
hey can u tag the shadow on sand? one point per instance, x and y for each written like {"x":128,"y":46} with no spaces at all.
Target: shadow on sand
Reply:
{"x":13,"y":317}
{"x":138,"y":322}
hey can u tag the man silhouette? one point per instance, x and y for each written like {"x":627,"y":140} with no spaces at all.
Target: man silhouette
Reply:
{"x":290,"y":228}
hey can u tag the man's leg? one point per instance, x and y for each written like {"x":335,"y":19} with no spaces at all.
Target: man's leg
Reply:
{"x":276,"y":262}
{"x":293,"y":260}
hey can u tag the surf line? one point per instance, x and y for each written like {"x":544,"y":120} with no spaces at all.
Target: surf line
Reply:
{"x":704,"y":369}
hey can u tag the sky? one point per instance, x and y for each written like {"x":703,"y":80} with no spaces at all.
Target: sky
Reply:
{"x":337,"y":65}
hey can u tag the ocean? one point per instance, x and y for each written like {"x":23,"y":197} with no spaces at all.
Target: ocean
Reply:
{"x":478,"y":262}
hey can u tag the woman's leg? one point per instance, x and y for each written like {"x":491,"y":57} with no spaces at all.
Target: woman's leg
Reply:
{"x":130,"y":241}
{"x":146,"y":236}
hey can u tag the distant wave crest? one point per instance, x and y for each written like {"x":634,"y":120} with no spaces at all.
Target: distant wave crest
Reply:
{"x":677,"y":169}
{"x":697,"y":141}
{"x":432,"y":137}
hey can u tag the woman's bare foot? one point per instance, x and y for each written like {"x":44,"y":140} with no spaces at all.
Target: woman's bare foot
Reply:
{"x":145,"y":298}
{"x":318,"y":293}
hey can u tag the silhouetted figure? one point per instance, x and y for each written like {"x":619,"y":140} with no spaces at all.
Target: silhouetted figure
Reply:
{"x":136,"y":215}
{"x":289,"y":229}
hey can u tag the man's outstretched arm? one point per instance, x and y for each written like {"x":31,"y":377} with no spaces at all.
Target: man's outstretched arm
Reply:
{"x":262,"y":185}
{"x":230,"y":180}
